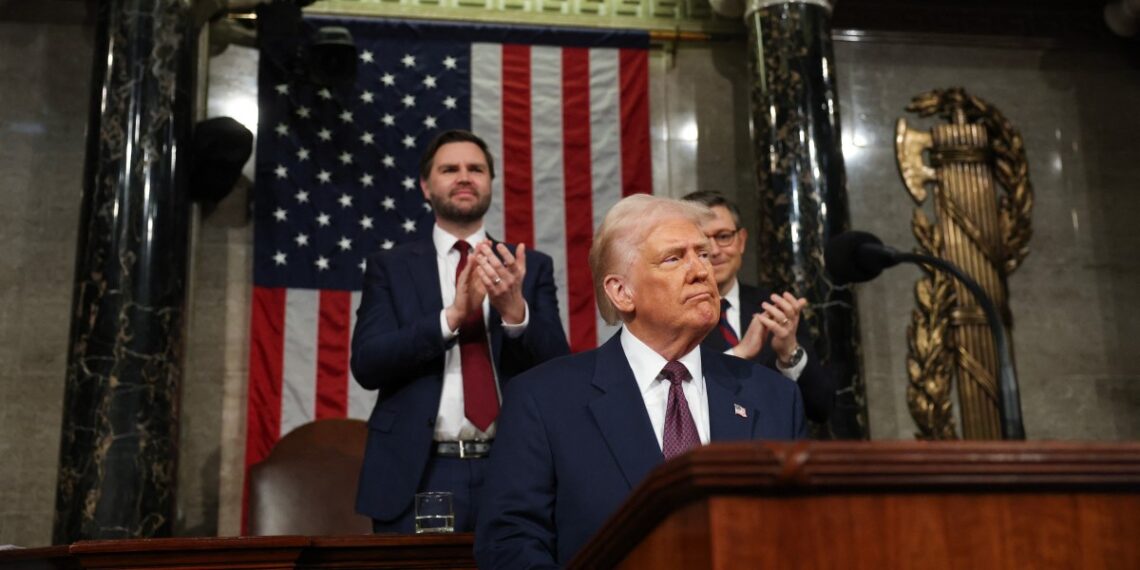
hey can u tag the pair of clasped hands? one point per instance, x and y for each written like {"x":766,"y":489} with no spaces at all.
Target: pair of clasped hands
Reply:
{"x":496,"y":273}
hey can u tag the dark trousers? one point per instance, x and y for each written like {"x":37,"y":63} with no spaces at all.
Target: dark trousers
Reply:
{"x":462,"y":477}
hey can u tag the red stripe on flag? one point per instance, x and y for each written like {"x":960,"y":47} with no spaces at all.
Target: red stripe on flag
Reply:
{"x":266,"y":352}
{"x":579,"y":213}
{"x":332,"y":354}
{"x":636,"y":172}
{"x":518,"y":179}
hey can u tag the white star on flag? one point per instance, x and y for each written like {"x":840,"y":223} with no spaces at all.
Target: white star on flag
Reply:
{"x":345,"y":201}
{"x":324,"y":94}
{"x":324,"y":176}
{"x":366,"y":96}
{"x":409,"y":183}
{"x":389,"y":161}
{"x":301,"y":196}
{"x":302,"y":240}
{"x":280,"y":214}
{"x":282,"y":129}
{"x":449,"y":102}
{"x":429,"y":122}
{"x":367,"y":138}
{"x":345,"y":158}
{"x":303,"y":112}
{"x":282,"y":88}
{"x":346,"y":116}
{"x":363,"y":265}
{"x":388,"y":203}
{"x":322,"y":263}
{"x":281,"y":171}
{"x":366,"y":180}
{"x":324,"y":220}
{"x":388,"y":79}
{"x":388,"y":120}
{"x":366,"y":56}
{"x":409,"y":60}
{"x":408,"y":101}
{"x":324,"y":134}
{"x":388,"y":244}
{"x":302,"y":153}
{"x":429,"y":82}
{"x":409,"y":141}
{"x":366,"y":223}
{"x":409,"y":226}
{"x":344,"y":243}
{"x":279,"y":258}
{"x":449,"y":62}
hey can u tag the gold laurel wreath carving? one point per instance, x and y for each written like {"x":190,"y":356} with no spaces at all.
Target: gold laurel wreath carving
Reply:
{"x":1011,"y":168}
{"x":930,"y":358}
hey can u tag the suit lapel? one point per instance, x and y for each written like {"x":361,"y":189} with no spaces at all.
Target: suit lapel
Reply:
{"x":620,"y":413}
{"x":725,"y":421}
{"x":425,"y":275}
{"x":749,"y":304}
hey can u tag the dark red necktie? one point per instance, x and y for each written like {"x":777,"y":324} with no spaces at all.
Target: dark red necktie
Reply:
{"x":480,"y":399}
{"x":726,"y":329}
{"x":680,"y":434}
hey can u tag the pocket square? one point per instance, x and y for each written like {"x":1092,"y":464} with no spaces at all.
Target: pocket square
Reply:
{"x":739,"y":410}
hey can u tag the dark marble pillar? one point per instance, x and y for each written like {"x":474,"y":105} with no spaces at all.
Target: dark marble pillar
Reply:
{"x":801,"y":185}
{"x":118,"y":453}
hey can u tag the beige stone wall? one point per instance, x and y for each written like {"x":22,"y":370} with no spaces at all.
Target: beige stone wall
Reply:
{"x":1074,"y":301}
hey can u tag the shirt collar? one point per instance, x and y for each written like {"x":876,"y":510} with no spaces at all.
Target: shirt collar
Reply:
{"x":444,"y":242}
{"x":733,"y":295}
{"x":647,"y":364}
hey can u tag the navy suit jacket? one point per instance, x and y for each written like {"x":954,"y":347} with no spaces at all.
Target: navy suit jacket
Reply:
{"x":575,"y":439}
{"x":397,"y":349}
{"x":816,"y":383}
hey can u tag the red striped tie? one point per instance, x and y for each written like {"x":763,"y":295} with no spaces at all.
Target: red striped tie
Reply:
{"x":480,"y":399}
{"x":725,"y":328}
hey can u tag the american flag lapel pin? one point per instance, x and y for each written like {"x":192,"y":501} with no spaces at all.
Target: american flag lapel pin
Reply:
{"x":739,"y":410}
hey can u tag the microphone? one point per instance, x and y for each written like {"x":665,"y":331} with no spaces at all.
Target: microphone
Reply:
{"x":855,"y":257}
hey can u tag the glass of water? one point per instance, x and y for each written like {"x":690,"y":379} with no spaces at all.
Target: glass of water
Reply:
{"x":433,"y":512}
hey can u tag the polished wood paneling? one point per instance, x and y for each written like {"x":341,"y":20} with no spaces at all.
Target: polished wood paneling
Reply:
{"x":882,"y":505}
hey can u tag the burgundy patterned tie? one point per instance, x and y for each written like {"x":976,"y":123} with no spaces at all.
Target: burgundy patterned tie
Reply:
{"x":725,"y":328}
{"x":680,"y":429}
{"x":480,"y":399}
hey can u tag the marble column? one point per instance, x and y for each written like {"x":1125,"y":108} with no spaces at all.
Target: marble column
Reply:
{"x":801,"y":184}
{"x":118,"y":453}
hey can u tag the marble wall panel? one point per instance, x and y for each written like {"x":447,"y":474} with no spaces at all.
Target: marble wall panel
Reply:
{"x":43,"y":109}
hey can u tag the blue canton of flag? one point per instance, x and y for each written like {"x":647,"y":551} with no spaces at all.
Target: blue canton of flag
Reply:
{"x":337,"y":170}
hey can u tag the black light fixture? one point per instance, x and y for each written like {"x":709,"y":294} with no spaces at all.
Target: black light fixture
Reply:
{"x":325,"y":56}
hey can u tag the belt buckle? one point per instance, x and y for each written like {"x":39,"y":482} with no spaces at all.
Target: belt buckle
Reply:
{"x":462,"y":454}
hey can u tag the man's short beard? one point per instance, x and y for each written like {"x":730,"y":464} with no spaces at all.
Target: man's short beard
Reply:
{"x":443,"y":209}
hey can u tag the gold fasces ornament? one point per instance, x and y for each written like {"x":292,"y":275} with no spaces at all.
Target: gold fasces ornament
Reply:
{"x":983,"y":230}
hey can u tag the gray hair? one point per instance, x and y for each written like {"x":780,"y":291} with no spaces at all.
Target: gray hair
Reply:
{"x":621,"y":234}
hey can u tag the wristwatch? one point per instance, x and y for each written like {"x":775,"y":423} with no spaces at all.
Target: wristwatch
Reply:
{"x":797,"y":356}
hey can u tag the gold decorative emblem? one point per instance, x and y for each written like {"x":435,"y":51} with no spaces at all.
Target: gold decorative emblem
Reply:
{"x":980,"y":231}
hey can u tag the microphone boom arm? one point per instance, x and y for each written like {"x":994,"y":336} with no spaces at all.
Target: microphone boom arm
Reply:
{"x":1012,"y":426}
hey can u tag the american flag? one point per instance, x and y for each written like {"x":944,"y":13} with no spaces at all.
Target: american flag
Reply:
{"x":565,"y":113}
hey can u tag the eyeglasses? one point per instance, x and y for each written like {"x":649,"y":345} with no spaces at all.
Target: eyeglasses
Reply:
{"x":725,"y":238}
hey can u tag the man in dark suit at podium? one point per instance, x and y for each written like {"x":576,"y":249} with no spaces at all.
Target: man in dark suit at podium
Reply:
{"x":772,"y":335}
{"x":577,"y":434}
{"x":443,"y":323}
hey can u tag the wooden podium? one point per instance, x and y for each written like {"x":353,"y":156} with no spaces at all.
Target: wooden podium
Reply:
{"x":807,"y":505}
{"x":871,"y":505}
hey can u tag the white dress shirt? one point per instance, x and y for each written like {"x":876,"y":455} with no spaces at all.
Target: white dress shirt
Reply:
{"x":733,"y":316}
{"x":451,"y":423}
{"x":647,"y":365}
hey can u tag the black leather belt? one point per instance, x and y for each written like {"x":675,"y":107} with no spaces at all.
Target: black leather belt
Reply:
{"x":463,"y":449}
